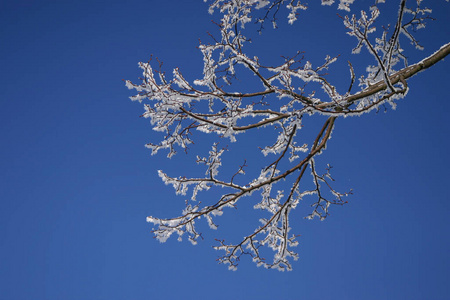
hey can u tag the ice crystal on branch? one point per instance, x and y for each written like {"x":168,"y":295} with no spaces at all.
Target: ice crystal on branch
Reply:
{"x":181,"y":110}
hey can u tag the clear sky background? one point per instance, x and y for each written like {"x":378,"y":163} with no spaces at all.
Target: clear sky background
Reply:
{"x":76,"y":182}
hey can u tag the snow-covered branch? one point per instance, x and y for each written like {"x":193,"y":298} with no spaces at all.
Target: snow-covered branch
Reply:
{"x":182,"y":109}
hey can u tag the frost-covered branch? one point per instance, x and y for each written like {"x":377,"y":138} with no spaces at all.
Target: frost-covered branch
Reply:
{"x":181,"y":109}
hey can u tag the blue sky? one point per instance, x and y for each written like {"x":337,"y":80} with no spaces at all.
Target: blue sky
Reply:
{"x":76,"y":182}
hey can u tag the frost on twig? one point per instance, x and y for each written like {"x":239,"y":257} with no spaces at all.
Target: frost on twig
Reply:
{"x":180,"y":109}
